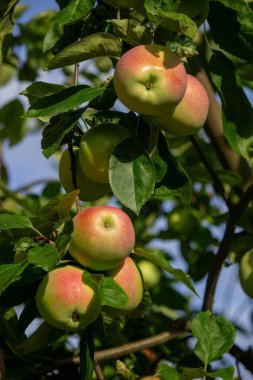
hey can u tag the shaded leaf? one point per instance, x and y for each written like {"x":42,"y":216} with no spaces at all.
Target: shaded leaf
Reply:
{"x":12,"y":126}
{"x":10,"y":273}
{"x":237,"y":125}
{"x":95,"y":45}
{"x":171,"y":179}
{"x":54,"y":132}
{"x":158,"y":259}
{"x":87,"y":354}
{"x":131,"y":174}
{"x":44,"y":335}
{"x":71,"y":13}
{"x":166,"y":372}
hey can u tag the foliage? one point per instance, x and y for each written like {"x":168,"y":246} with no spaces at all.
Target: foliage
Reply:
{"x":204,"y":181}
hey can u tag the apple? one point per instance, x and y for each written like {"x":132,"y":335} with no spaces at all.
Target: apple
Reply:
{"x":68,"y":299}
{"x":150,"y":378}
{"x":182,"y":220}
{"x":187,"y":117}
{"x":246,"y":273}
{"x":102,"y":237}
{"x":128,"y":277}
{"x":89,"y":190}
{"x":150,"y":272}
{"x":96,"y":147}
{"x":149,"y":79}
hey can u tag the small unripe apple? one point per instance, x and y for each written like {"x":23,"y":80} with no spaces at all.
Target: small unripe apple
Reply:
{"x":96,"y":147}
{"x":149,"y":79}
{"x":182,"y":220}
{"x":150,"y":272}
{"x":187,"y":117}
{"x":89,"y":190}
{"x":127,"y":276}
{"x":68,"y":299}
{"x":103,"y":236}
{"x":246,"y":273}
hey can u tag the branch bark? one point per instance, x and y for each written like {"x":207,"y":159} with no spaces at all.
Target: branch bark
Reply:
{"x":213,"y":275}
{"x":229,"y":159}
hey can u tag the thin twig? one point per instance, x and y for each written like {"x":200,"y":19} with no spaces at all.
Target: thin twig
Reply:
{"x":213,"y":275}
{"x":98,"y":371}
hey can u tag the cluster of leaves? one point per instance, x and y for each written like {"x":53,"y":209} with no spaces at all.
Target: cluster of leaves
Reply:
{"x":159,"y":173}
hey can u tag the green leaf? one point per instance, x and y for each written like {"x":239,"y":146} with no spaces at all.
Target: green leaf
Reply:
{"x":87,"y":354}
{"x":236,"y":18}
{"x":215,"y":335}
{"x":63,"y":101}
{"x":172,"y":20}
{"x":11,"y":122}
{"x":38,"y":90}
{"x":43,"y":336}
{"x":112,"y":294}
{"x":54,"y":132}
{"x":45,"y":256}
{"x":6,"y":27}
{"x":171,"y":179}
{"x":223,"y":373}
{"x":131,"y":31}
{"x":74,"y":11}
{"x":131,"y":174}
{"x":158,"y":259}
{"x":8,"y":326}
{"x":9,"y":221}
{"x":95,"y":45}
{"x":237,"y":125}
{"x":166,"y":372}
{"x":10,"y":273}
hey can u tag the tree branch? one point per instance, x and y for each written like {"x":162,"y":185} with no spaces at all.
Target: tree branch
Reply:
{"x":214,"y":128}
{"x":224,"y":247}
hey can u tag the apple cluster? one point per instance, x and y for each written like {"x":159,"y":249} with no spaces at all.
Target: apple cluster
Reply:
{"x":102,"y":240}
{"x":152,"y":80}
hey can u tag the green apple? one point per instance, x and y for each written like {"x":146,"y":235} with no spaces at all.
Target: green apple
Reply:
{"x":149,"y":79}
{"x":89,"y":190}
{"x":128,"y":277}
{"x":68,"y":298}
{"x":96,"y":147}
{"x":246,"y":273}
{"x":102,"y":237}
{"x":182,"y":220}
{"x":187,"y":117}
{"x":150,"y":272}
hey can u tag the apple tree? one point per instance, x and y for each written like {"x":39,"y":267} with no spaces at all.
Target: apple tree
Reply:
{"x":149,"y":114}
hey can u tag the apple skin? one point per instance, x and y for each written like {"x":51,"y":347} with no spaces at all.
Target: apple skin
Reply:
{"x":246,"y":273}
{"x":102,"y":237}
{"x":150,"y":272}
{"x":68,"y":299}
{"x":149,"y":79}
{"x":89,"y":190}
{"x":127,"y":275}
{"x":190,"y":114}
{"x":96,"y":147}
